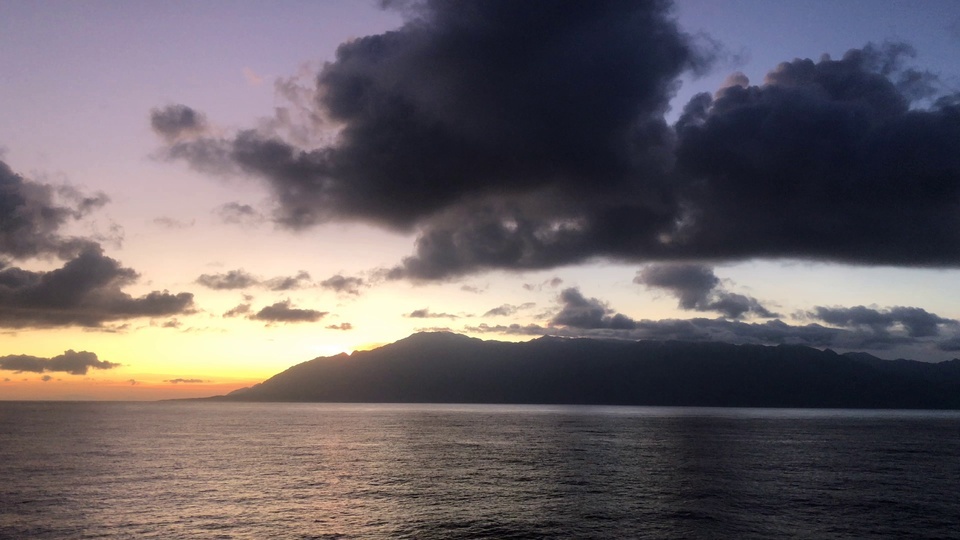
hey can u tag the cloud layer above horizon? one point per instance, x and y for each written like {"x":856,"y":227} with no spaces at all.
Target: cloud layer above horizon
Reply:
{"x":530,"y":135}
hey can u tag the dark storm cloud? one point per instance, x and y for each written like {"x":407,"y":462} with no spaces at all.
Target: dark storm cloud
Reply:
{"x":529,"y":135}
{"x":32,"y":214}
{"x":579,"y":311}
{"x":836,"y":159}
{"x":832,"y":160}
{"x":915,"y":321}
{"x":469,"y":101}
{"x":175,"y":121}
{"x":72,"y":362}
{"x":284,"y":312}
{"x":698,"y":288}
{"x":86,"y":291}
{"x":241,"y":279}
{"x":343,"y":284}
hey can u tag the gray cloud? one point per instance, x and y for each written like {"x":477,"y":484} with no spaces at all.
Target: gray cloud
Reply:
{"x":32,"y":214}
{"x":234,"y":279}
{"x":341,"y":326}
{"x":72,"y":362}
{"x":186,"y":381}
{"x":698,"y":288}
{"x":176,"y":121}
{"x":170,"y":223}
{"x":241,"y":279}
{"x":241,"y":309}
{"x":696,"y":329}
{"x":425,"y":313}
{"x":507,"y":309}
{"x":343,"y":284}
{"x":284,"y":312}
{"x":239,"y":214}
{"x":552,"y":283}
{"x":473,"y":289}
{"x":916,"y":322}
{"x":588,"y":313}
{"x":86,"y":291}
{"x":908,"y":330}
{"x":288,"y":283}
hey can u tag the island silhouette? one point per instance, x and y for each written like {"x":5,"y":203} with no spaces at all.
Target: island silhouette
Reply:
{"x":442,"y":367}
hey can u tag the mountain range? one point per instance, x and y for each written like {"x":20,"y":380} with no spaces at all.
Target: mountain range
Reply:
{"x":440,"y":367}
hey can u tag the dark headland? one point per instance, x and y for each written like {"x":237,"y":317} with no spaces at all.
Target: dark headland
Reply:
{"x":450,"y":368}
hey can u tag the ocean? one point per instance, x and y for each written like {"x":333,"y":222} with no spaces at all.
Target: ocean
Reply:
{"x":327,"y":471}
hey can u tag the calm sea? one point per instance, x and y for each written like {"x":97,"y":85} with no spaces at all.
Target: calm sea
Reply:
{"x":234,"y":470}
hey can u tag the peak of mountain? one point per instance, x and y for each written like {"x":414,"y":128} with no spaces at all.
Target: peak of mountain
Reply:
{"x":443,"y":367}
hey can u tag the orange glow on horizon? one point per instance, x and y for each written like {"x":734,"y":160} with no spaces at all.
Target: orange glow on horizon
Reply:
{"x":62,"y":387}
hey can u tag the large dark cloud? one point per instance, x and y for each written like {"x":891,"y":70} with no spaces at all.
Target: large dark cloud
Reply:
{"x":528,"y":135}
{"x":471,"y":102}
{"x":846,"y":160}
{"x":72,"y":362}
{"x":32,"y":214}
{"x":698,"y":288}
{"x":86,"y":291}
{"x":836,"y":159}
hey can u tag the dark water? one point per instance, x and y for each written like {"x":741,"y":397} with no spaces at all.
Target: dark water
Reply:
{"x":206,"y":470}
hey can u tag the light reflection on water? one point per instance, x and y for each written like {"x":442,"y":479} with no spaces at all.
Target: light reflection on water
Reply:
{"x":233,"y":470}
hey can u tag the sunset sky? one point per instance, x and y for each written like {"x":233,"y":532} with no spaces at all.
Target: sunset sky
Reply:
{"x":195,"y":196}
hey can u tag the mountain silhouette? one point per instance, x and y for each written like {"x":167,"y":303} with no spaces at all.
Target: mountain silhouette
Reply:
{"x":440,"y":367}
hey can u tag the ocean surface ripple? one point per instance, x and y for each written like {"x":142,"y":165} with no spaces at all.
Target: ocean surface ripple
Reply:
{"x":327,"y":471}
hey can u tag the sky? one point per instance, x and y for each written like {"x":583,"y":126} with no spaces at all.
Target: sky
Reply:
{"x":197,"y":196}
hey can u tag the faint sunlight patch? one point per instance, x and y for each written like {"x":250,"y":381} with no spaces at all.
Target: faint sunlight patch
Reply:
{"x":251,"y":77}
{"x":331,"y":349}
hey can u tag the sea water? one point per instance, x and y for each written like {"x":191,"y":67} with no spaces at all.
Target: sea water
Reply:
{"x":244,"y":470}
